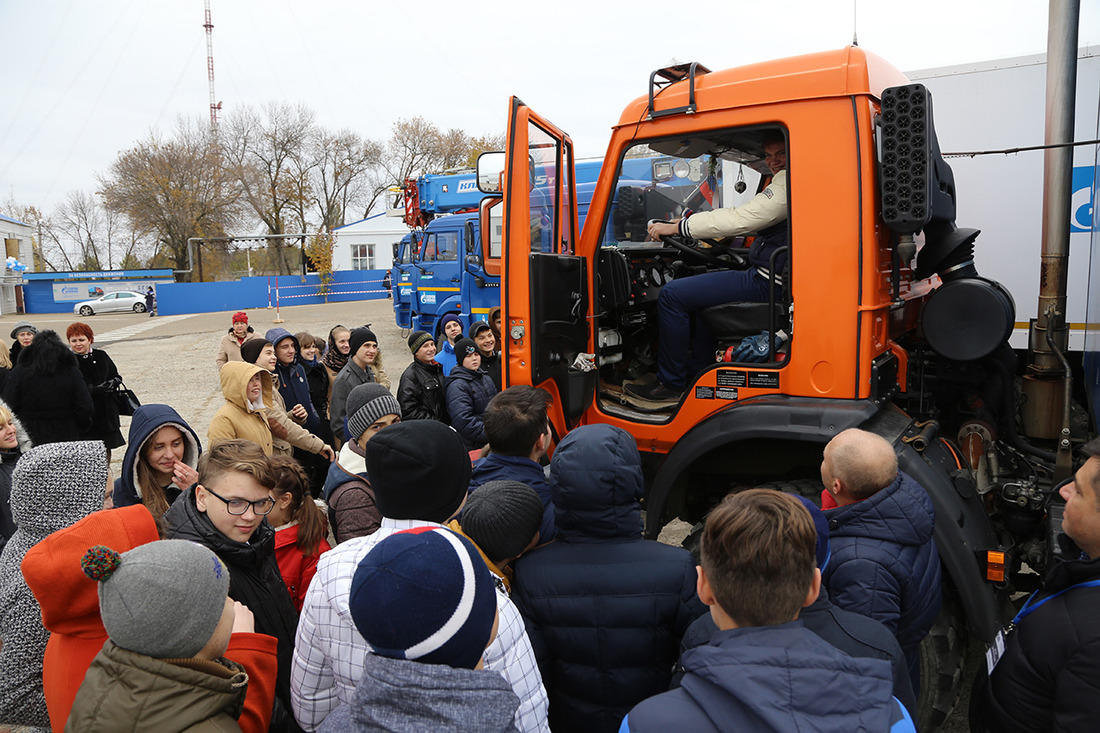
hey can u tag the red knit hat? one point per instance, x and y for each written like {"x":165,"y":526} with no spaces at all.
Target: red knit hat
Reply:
{"x":240,"y":317}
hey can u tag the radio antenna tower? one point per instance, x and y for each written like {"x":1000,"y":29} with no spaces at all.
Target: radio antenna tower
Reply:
{"x":215,"y":107}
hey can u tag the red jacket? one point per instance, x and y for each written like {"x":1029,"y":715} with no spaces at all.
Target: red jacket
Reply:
{"x":70,"y":611}
{"x":296,"y":568}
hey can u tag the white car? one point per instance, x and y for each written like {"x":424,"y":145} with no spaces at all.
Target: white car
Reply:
{"x":122,"y":300}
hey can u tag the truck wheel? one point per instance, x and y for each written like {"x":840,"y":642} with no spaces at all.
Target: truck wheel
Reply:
{"x":807,"y":488}
{"x":942,"y":654}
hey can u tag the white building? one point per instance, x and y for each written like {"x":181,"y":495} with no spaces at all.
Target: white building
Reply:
{"x":367,"y":244}
{"x":17,"y":244}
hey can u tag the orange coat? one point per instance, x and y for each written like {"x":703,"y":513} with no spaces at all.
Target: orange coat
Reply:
{"x":70,"y":611}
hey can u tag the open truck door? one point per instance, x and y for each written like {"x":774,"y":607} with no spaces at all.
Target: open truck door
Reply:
{"x":546,"y":286}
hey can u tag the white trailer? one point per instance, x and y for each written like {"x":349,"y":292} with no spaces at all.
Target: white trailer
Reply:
{"x":999,"y":105}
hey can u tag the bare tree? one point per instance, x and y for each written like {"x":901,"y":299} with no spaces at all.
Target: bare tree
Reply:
{"x":266,"y":152}
{"x":176,"y":187}
{"x":340,"y":174}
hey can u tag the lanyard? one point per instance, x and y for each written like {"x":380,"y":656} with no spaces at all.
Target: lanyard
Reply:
{"x":1030,"y":606}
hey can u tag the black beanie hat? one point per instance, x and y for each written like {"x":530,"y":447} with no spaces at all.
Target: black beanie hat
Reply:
{"x":502,"y":517}
{"x":250,"y":350}
{"x":360,"y":336}
{"x":418,"y":339}
{"x":463,"y":348}
{"x":419,"y":470}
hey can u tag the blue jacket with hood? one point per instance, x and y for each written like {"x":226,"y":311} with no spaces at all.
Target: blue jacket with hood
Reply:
{"x":293,"y":385}
{"x":147,"y":420}
{"x":885,"y":565}
{"x":605,"y":609}
{"x":774,"y":678}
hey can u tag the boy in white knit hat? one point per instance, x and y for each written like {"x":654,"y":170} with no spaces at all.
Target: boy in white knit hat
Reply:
{"x":162,"y":668}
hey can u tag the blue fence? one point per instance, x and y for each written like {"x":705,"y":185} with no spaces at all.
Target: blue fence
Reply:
{"x":261,"y":292}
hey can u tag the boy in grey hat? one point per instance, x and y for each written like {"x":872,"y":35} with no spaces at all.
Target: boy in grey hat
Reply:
{"x":171,"y":660}
{"x":351,"y":509}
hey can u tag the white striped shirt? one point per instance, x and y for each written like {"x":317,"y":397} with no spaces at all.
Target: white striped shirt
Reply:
{"x":329,"y":651}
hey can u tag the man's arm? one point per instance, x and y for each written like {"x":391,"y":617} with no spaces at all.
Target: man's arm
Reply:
{"x":511,"y":655}
{"x":867,"y":588}
{"x":761,"y":211}
{"x":1076,"y":703}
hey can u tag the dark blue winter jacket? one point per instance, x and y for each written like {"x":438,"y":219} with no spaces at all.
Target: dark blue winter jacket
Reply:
{"x":497,"y":467}
{"x":851,"y":633}
{"x":147,"y":420}
{"x":774,"y":678}
{"x":293,"y":385}
{"x":468,"y":394}
{"x":605,"y":609}
{"x":885,"y":565}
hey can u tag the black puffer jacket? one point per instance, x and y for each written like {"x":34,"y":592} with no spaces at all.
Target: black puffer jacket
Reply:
{"x":468,"y":394}
{"x":605,"y":609}
{"x":54,"y":408}
{"x":254,"y":580}
{"x":101,"y":376}
{"x":420,"y":393}
{"x":1049,"y":676}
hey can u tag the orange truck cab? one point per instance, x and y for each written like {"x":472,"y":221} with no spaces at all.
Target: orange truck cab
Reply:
{"x":875,"y":317}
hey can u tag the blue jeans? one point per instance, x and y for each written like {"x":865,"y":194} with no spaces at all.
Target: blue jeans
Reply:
{"x":679,"y":355}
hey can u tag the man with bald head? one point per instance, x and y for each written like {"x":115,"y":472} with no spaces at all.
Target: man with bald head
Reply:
{"x":884,"y":562}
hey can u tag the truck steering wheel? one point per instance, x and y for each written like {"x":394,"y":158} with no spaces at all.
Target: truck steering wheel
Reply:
{"x":738,"y":261}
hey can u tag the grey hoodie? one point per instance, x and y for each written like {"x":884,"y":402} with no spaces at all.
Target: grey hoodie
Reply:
{"x":400,"y":696}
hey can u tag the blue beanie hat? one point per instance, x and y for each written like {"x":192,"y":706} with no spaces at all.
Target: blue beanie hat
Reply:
{"x":821,"y":526}
{"x":426,"y":595}
{"x":447,"y":319}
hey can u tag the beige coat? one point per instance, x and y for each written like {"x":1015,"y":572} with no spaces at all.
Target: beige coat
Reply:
{"x":288,"y":434}
{"x":237,"y":418}
{"x":136,"y":693}
{"x":229,"y":349}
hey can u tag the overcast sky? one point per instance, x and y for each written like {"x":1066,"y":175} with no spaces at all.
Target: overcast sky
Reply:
{"x":82,"y":80}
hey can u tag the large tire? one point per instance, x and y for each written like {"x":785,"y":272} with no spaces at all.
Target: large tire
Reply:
{"x":942,"y":654}
{"x":139,"y":307}
{"x":86,"y":310}
{"x":807,"y":488}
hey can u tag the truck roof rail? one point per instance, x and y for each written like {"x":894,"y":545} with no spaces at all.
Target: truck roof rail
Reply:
{"x":671,"y":75}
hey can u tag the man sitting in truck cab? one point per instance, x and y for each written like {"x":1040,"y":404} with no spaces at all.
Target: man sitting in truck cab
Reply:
{"x":765,"y":214}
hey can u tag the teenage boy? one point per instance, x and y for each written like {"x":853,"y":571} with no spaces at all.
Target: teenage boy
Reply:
{"x":421,"y":391}
{"x":482,"y":335}
{"x":355,"y":372}
{"x":763,"y":671}
{"x":425,"y":669}
{"x":419,"y":471}
{"x":352,"y":510}
{"x":502,"y":518}
{"x":225,"y":512}
{"x":162,"y":670}
{"x":518,"y":431}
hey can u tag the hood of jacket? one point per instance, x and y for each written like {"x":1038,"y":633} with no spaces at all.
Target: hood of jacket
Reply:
{"x":70,"y":599}
{"x":902,"y":511}
{"x":235,"y":376}
{"x":247,"y":331}
{"x":596,"y":484}
{"x":401,"y":695}
{"x":186,"y":522}
{"x":787,"y":678}
{"x":469,"y":375}
{"x":350,"y":465}
{"x":147,"y":420}
{"x":56,"y":484}
{"x":277,"y":334}
{"x":133,"y":692}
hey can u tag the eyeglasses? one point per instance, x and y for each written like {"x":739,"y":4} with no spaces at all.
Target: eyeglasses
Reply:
{"x":237,"y":507}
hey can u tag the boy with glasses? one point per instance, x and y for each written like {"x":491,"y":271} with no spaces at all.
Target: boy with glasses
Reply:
{"x":224,"y":511}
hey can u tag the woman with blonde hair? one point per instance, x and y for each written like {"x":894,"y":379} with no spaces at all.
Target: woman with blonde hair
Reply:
{"x":13,"y":443}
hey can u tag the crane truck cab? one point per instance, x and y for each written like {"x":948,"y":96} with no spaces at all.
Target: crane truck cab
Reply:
{"x":876,"y":316}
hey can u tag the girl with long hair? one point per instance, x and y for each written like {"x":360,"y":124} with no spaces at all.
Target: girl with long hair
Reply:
{"x":300,"y":527}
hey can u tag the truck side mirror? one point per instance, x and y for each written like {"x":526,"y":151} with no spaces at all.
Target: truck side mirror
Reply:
{"x":490,"y":166}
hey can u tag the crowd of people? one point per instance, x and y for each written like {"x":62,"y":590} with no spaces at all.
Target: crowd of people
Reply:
{"x":337,"y":557}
